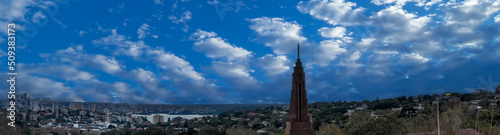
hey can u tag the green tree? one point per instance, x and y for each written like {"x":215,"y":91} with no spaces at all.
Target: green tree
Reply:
{"x":361,"y":122}
{"x":358,"y":123}
{"x":329,"y":129}
{"x":210,"y":130}
{"x":240,"y":131}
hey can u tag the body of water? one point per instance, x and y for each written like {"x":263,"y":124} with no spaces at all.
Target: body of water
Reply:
{"x":166,"y":116}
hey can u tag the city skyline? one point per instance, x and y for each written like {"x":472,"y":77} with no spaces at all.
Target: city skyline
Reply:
{"x":242,"y":52}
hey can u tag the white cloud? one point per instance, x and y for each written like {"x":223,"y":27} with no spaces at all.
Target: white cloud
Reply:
{"x":186,"y":16}
{"x":413,"y":58}
{"x":278,"y":34}
{"x":174,"y":68}
{"x":216,"y":47}
{"x":462,"y":21}
{"x":65,"y":72}
{"x":239,"y":74}
{"x":328,"y":51}
{"x":353,"y":90}
{"x":110,"y":65}
{"x":37,"y":17}
{"x":351,"y":61}
{"x":38,"y":87}
{"x":335,"y":32}
{"x":274,"y":65}
{"x":367,"y":42}
{"x":143,"y":31}
{"x":395,"y":25}
{"x":19,"y":11}
{"x":124,"y":46}
{"x":497,"y":19}
{"x":81,"y":33}
{"x":10,"y":10}
{"x":76,"y":57}
{"x":379,"y":62}
{"x":13,"y":10}
{"x":200,"y":34}
{"x":229,"y":61}
{"x":231,"y":69}
{"x":402,"y":2}
{"x":334,"y":12}
{"x":470,"y":13}
{"x":432,"y":2}
{"x":178,"y":66}
{"x":158,"y":2}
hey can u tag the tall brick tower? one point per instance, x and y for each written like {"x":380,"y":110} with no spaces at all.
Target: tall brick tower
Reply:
{"x":298,"y":114}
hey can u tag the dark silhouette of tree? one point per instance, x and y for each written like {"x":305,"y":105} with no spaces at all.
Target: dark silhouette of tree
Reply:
{"x":111,"y":127}
{"x":497,"y":89}
{"x":152,"y":131}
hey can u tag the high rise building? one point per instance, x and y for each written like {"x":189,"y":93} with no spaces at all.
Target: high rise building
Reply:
{"x":24,"y":96}
{"x":157,"y":118}
{"x":72,"y":106}
{"x":92,"y":107}
{"x":298,"y":114}
{"x":106,"y":111}
{"x":34,"y":105}
{"x":80,"y":106}
{"x":55,"y":108}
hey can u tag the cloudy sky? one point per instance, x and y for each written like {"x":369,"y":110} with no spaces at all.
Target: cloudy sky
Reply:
{"x":231,"y":51}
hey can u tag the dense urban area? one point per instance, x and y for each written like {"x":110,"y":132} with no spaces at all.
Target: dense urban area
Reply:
{"x":459,"y":113}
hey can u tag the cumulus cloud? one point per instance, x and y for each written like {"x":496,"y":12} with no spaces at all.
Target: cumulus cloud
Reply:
{"x":237,"y":73}
{"x":328,"y":51}
{"x":351,"y":62}
{"x":109,"y":65}
{"x":280,"y":35}
{"x":229,"y":61}
{"x":216,"y":47}
{"x":335,"y":12}
{"x":398,"y":46}
{"x":64,"y":71}
{"x":180,"y":68}
{"x":76,"y":57}
{"x":470,"y":12}
{"x":400,"y":2}
{"x":395,"y":25}
{"x":143,"y":31}
{"x":38,"y":87}
{"x":147,"y":86}
{"x":462,"y":20}
{"x":274,"y":65}
{"x":21,"y":11}
{"x":413,"y":58}
{"x":497,"y":19}
{"x":335,"y":32}
{"x":124,"y":46}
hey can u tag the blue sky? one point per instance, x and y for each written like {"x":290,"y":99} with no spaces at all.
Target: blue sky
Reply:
{"x":230,"y":51}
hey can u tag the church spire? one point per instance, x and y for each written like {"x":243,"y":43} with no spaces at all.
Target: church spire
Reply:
{"x":298,"y":51}
{"x":298,"y":113}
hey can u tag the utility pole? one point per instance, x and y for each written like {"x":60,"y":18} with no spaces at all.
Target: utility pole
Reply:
{"x":477,"y":111}
{"x":491,"y":117}
{"x":439,"y":130}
